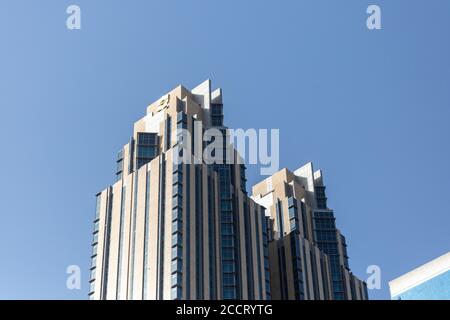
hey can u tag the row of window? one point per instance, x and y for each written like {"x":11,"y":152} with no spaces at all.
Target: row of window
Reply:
{"x":227,"y":216}
{"x":321,"y":203}
{"x":243,"y":178}
{"x":119,"y":165}
{"x":177,"y":232}
{"x":325,"y":235}
{"x":265,"y":221}
{"x":297,"y":267}
{"x":216,"y":115}
{"x":229,"y":281}
{"x":324,"y":224}
{"x":146,"y":138}
{"x":293,"y":215}
{"x":148,"y":152}
{"x":94,"y":247}
{"x":320,"y":191}
{"x":294,"y":218}
{"x":211,"y":236}
{"x":323,"y":214}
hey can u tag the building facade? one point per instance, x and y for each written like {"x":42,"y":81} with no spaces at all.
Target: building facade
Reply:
{"x":171,"y":229}
{"x":430,"y":281}
{"x":307,"y":253}
{"x":176,"y":225}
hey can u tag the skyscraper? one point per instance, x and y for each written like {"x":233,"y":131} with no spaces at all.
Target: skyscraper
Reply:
{"x":176,"y":225}
{"x":169,"y":229}
{"x":307,"y":253}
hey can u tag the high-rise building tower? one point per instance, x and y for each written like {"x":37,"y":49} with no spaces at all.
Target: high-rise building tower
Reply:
{"x":171,"y":230}
{"x":307,"y":253}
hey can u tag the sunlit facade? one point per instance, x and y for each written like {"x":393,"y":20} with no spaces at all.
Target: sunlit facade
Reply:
{"x":169,"y":230}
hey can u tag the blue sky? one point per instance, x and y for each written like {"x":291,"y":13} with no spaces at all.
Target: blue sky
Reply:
{"x":370,"y":108}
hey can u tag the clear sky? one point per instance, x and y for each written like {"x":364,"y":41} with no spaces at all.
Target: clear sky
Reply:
{"x":370,"y":108}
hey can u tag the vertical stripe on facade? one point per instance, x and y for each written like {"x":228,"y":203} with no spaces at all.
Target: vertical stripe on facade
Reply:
{"x":161,"y":214}
{"x":146,"y":235}
{"x":121,"y":239}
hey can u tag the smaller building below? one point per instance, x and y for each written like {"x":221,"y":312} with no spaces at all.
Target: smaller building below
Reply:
{"x":430,"y":281}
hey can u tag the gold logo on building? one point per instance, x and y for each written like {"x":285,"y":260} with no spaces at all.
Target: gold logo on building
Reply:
{"x":163,"y":102}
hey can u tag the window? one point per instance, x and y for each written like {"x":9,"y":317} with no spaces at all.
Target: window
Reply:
{"x":293,"y":224}
{"x":225,"y":205}
{"x":217,"y":114}
{"x":229,"y":293}
{"x":291,"y":201}
{"x":176,"y":292}
{"x":96,"y":226}
{"x":181,"y":117}
{"x":227,"y":217}
{"x":227,"y":229}
{"x":229,"y":279}
{"x":177,"y":201}
{"x":339,"y":296}
{"x":216,"y":109}
{"x":178,"y":177}
{"x":292,"y":212}
{"x":176,"y":226}
{"x":177,"y":252}
{"x":228,"y":267}
{"x":168,"y":132}
{"x":227,"y":241}
{"x":94,"y":262}
{"x":279,"y":211}
{"x":323,"y":214}
{"x":145,"y":138}
{"x":147,"y":147}
{"x":120,"y":155}
{"x":177,"y":168}
{"x":176,"y":239}
{"x":177,"y":189}
{"x":92,"y":276}
{"x":97,"y":207}
{"x":146,"y":151}
{"x":175,"y":279}
{"x":119,"y":167}
{"x":217,"y":121}
{"x":243,"y":179}
{"x":95,"y":239}
{"x":320,"y":191}
{"x":320,"y":196}
{"x":228,"y":253}
{"x":177,"y":214}
{"x":142,"y":162}
{"x":94,"y":249}
{"x":176,"y":265}
{"x":326,"y":236}
{"x":92,"y":286}
{"x":324,"y":224}
{"x":321,"y":203}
